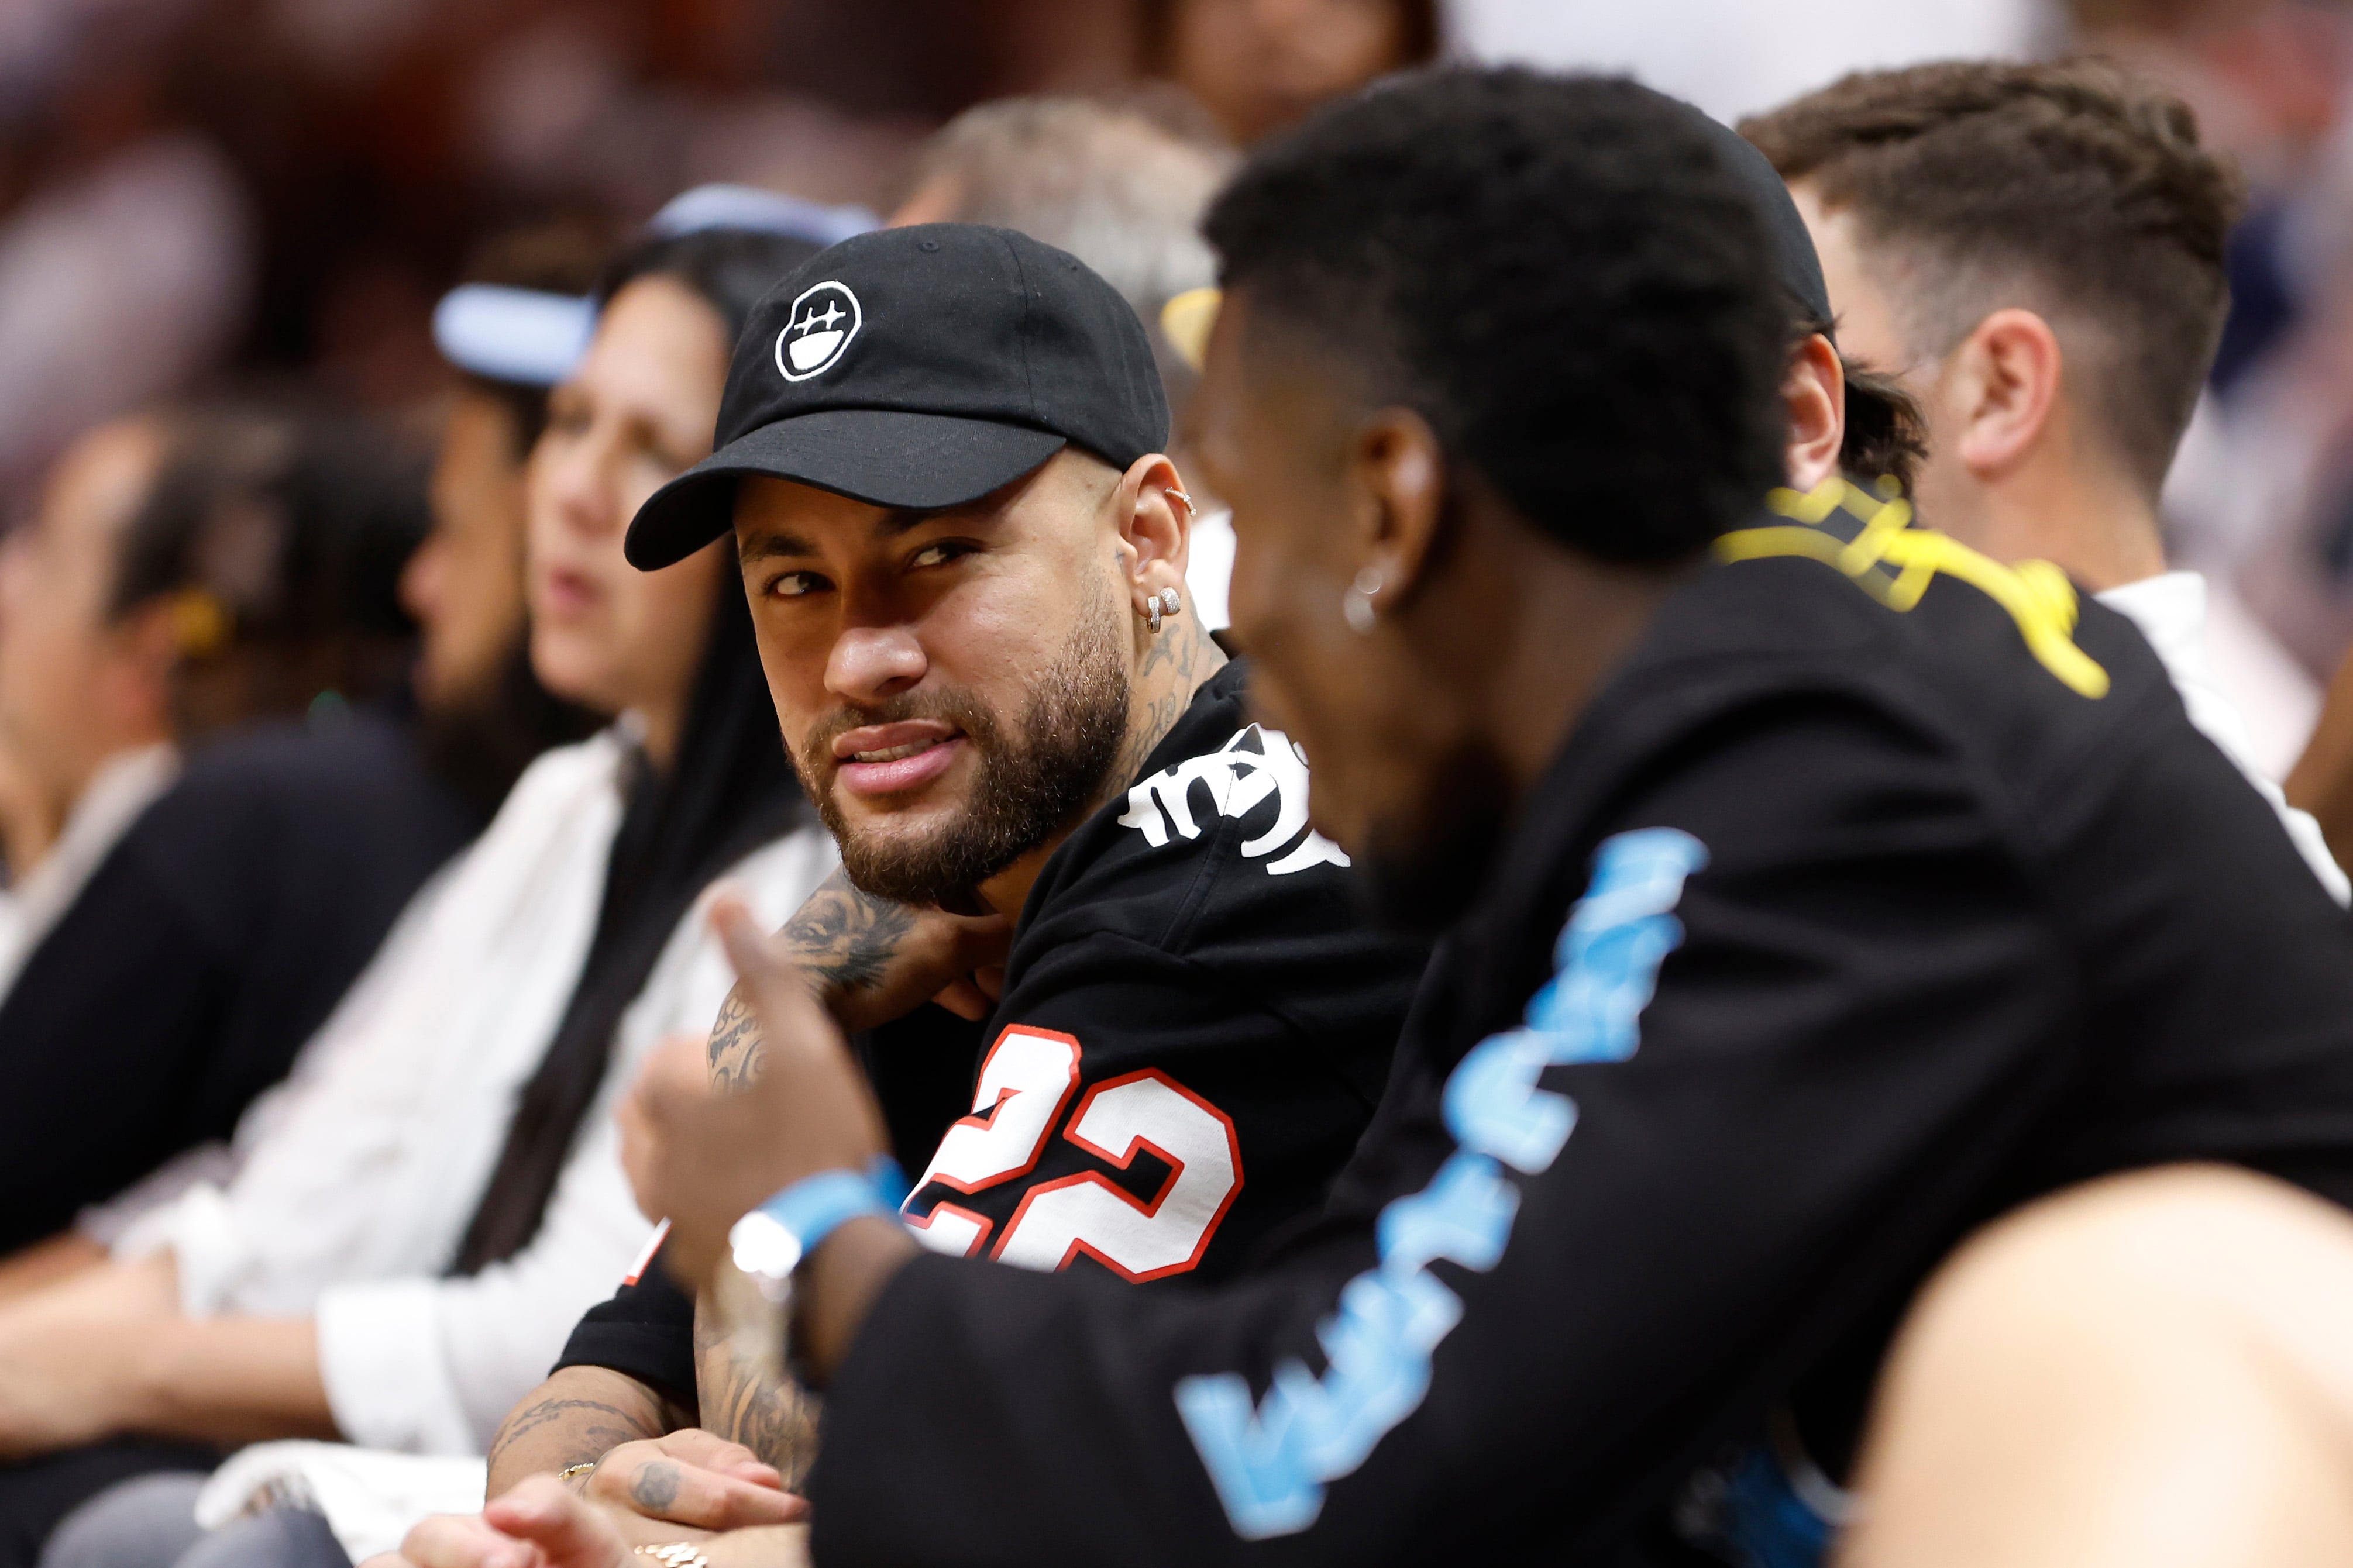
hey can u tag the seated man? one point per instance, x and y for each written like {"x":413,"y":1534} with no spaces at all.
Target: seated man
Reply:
{"x":965,"y":556}
{"x":2035,"y":252}
{"x":1818,"y":889}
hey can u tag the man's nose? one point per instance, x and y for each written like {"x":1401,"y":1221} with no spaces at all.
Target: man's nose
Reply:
{"x":873,"y":662}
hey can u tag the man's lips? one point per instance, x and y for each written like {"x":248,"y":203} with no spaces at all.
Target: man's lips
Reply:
{"x":886,"y":759}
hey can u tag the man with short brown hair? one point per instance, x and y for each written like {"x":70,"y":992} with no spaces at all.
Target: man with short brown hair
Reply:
{"x":2036,"y":253}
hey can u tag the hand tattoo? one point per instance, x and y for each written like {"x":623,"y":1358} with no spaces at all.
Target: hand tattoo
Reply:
{"x":656,"y":1486}
{"x":846,"y":938}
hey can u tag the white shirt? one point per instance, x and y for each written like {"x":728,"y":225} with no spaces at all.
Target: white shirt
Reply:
{"x":1209,"y":568}
{"x":125,"y":785}
{"x":360,"y":1174}
{"x":2170,"y":611}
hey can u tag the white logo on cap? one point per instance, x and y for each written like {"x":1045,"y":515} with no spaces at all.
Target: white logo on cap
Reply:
{"x":818,"y":328}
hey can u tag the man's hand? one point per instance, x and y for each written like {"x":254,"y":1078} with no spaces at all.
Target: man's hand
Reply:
{"x":579,"y":1414}
{"x":693,"y":1479}
{"x":540,"y":1524}
{"x":704,"y":1156}
{"x":874,"y":961}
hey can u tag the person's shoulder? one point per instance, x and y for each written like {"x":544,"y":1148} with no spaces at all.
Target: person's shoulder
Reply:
{"x":2032,"y":688}
{"x":308,"y":762}
{"x":354,"y":786}
{"x":1218,"y":817}
{"x":562,"y":773}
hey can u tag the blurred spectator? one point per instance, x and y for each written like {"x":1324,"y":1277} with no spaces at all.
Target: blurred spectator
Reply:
{"x":2036,"y":253}
{"x":2261,"y":497}
{"x":1734,"y":58}
{"x":85,"y":716}
{"x":1258,"y":65}
{"x":190,"y":575}
{"x":1117,"y":188}
{"x":430,"y":1204}
{"x":486,"y":715}
{"x":116,"y":285}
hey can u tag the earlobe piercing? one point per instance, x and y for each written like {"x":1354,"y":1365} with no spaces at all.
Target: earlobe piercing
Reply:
{"x":1356,"y":604}
{"x":1164,"y":603}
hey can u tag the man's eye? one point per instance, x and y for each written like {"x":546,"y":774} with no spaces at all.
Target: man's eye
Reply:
{"x":938,"y":554}
{"x":794,"y":584}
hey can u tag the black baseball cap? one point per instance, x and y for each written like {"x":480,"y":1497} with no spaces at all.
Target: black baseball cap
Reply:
{"x":918,"y":368}
{"x":1795,"y":262}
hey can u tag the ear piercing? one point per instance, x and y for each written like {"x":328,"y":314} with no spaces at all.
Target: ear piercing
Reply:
{"x":1356,"y":604}
{"x":1175,"y":494}
{"x":1164,"y":603}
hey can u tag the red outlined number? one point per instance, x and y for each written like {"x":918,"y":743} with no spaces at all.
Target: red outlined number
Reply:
{"x":1024,"y":1084}
{"x":951,"y":1228}
{"x":1058,"y":1220}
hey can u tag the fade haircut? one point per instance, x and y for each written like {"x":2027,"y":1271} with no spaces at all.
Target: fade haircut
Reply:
{"x":1558,"y":273}
{"x":2071,"y":189}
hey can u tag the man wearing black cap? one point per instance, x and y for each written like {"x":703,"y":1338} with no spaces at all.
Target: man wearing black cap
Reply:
{"x":964,"y":552}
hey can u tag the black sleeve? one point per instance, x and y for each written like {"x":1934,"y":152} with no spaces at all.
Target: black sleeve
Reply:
{"x":1632,"y":1204}
{"x":645,"y":1330}
{"x":921,"y":1071}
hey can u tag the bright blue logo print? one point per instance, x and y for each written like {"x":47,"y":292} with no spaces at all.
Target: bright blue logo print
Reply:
{"x":1270,"y":1461}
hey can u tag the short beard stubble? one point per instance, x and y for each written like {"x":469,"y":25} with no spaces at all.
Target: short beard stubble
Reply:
{"x":1032,"y":782}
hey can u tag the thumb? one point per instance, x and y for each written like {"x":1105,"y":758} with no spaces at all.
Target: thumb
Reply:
{"x":801,"y":1038}
{"x":779,"y":993}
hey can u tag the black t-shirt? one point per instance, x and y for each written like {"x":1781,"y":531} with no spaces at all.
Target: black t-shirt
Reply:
{"x":1196,"y":1024}
{"x":205,"y":947}
{"x":1836,"y":929}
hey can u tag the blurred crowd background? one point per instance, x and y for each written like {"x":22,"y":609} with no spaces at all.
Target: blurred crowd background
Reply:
{"x":268,"y":196}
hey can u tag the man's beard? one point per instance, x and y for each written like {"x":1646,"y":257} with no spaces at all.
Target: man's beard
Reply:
{"x":1420,"y":877}
{"x":1031,"y":783}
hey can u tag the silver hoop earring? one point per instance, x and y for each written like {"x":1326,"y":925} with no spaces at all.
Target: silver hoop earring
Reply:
{"x":1179,"y":495}
{"x":1169,"y":603}
{"x":1152,"y":615}
{"x":1356,"y":604}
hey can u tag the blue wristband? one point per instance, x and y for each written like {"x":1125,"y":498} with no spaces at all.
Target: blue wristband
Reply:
{"x":770,"y":1242}
{"x":814,"y":1206}
{"x":889,"y":1180}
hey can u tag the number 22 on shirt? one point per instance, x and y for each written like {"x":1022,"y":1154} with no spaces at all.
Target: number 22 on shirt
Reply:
{"x":1028,"y":1080}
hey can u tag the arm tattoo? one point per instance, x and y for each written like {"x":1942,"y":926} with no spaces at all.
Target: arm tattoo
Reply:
{"x":592,"y":1427}
{"x":776,"y":1420}
{"x":843,"y":938}
{"x":735,"y":1044}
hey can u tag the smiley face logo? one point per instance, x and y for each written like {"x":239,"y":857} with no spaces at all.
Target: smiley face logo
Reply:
{"x":817,"y":329}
